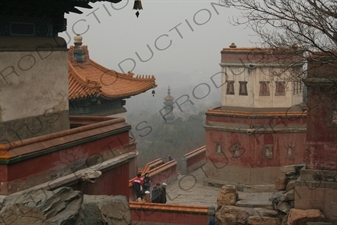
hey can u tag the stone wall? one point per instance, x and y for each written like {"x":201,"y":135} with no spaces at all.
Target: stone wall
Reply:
{"x":34,"y":84}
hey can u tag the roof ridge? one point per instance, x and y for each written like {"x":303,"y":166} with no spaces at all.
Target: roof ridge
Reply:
{"x":128,"y":76}
{"x":83,"y":80}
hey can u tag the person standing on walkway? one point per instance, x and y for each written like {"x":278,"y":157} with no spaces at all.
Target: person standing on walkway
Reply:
{"x":169,"y":158}
{"x":156,"y":193}
{"x":138,"y":185}
{"x":147,"y":197}
{"x":147,"y":182}
{"x":211,"y":221}
{"x":163,"y":193}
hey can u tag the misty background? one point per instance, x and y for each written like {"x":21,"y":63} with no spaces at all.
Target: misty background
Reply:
{"x":179,"y":42}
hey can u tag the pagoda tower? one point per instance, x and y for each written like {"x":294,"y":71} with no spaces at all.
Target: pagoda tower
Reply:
{"x":168,"y":108}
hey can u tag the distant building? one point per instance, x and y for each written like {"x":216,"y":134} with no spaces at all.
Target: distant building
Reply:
{"x":96,"y":90}
{"x":168,"y":115}
{"x":261,"y":123}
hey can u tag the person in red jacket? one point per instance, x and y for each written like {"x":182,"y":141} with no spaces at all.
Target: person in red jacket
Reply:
{"x":138,"y":185}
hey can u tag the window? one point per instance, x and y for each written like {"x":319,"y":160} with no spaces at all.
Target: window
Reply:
{"x":280,"y":88}
{"x":264,"y":88}
{"x":218,"y":147}
{"x":297,"y":87}
{"x":243,"y":88}
{"x":230,"y":87}
{"x":236,"y":150}
{"x":268,"y":151}
{"x":290,"y":151}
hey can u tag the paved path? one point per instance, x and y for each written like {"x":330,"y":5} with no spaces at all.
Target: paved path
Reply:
{"x":189,"y":190}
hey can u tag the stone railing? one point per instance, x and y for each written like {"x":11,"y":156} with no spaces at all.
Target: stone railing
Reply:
{"x":155,"y":213}
{"x":193,"y":160}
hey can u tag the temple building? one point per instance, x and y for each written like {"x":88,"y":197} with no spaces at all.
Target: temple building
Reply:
{"x":96,"y":90}
{"x":261,"y":123}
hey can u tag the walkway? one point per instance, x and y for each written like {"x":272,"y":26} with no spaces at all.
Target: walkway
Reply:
{"x":189,"y":190}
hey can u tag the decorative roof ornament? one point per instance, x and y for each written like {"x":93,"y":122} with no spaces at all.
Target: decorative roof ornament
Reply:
{"x":169,"y":90}
{"x":137,"y":6}
{"x":78,"y":40}
{"x":233,"y":45}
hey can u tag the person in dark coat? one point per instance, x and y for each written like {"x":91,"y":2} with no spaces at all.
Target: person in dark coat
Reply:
{"x":211,"y":221}
{"x":147,"y":182}
{"x":163,"y":193}
{"x":156,"y":194}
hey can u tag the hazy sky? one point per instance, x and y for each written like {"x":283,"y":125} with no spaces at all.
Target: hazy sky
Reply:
{"x":185,"y":36}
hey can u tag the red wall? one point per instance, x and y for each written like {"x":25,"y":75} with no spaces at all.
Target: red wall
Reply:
{"x":195,"y":159}
{"x":166,"y":217}
{"x":300,"y":119}
{"x":111,"y":182}
{"x":321,"y":148}
{"x":252,"y":145}
{"x":252,"y":148}
{"x":56,"y":159}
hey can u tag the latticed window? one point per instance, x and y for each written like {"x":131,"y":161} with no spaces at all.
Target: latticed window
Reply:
{"x":243,"y":88}
{"x":280,"y":88}
{"x":230,"y":87}
{"x":264,"y":88}
{"x":297,"y":87}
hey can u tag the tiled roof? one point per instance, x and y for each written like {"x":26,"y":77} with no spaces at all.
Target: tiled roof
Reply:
{"x":88,"y":78}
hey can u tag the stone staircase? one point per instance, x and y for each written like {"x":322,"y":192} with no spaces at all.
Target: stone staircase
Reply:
{"x":245,"y":208}
{"x":267,"y":208}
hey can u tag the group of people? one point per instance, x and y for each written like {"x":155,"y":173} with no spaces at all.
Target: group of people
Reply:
{"x":142,"y":189}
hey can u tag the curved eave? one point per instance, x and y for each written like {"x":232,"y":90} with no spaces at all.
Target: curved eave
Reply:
{"x":119,"y":85}
{"x":80,"y":88}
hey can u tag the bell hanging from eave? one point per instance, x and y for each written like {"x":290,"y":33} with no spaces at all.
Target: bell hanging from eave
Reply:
{"x":137,"y":6}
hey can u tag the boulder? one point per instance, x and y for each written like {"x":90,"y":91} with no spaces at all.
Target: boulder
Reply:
{"x":299,"y":166}
{"x":288,"y":170}
{"x":292,"y":169}
{"x":291,"y":185}
{"x":103,"y":209}
{"x":64,"y":206}
{"x":40,"y":207}
{"x":283,"y":207}
{"x":280,"y":183}
{"x":257,"y":220}
{"x":228,"y":195}
{"x":288,"y":196}
{"x":266,"y":212}
{"x":284,"y":219}
{"x":300,"y":217}
{"x":231,"y":215}
{"x":276,"y":197}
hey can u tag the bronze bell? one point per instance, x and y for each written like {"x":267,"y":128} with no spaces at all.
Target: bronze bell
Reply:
{"x":137,"y":5}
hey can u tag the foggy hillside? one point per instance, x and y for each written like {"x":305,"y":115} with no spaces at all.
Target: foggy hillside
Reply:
{"x":145,"y":114}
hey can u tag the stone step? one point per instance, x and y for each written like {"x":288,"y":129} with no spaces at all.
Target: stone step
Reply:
{"x":255,"y":200}
{"x":258,"y":220}
{"x":254,"y":204}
